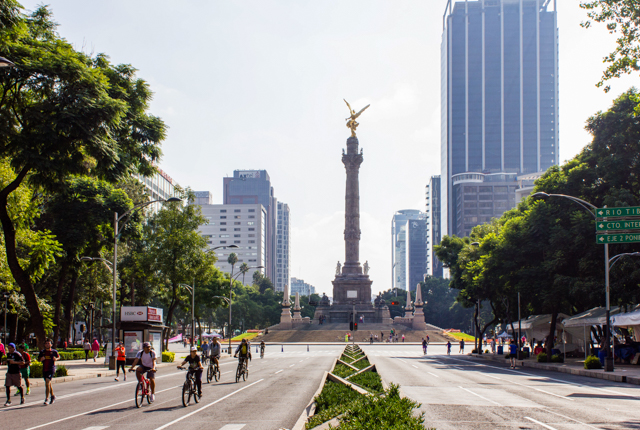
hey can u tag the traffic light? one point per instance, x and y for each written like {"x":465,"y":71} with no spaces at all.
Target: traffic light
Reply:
{"x":351,"y":325}
{"x":355,"y":326}
{"x":395,"y":303}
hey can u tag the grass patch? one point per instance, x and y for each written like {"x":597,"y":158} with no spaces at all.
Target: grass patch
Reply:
{"x":247,"y":336}
{"x":334,"y":400}
{"x":368,"y":380}
{"x":462,"y":336}
{"x":342,"y":371}
{"x":362,"y":364}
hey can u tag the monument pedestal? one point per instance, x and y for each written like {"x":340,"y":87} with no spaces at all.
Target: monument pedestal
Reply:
{"x":286,"y":322}
{"x":418,"y":319}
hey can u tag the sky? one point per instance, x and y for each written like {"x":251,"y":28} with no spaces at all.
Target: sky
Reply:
{"x":259,"y":84}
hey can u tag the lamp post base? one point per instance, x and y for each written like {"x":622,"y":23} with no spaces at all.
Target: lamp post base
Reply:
{"x":608,"y":364}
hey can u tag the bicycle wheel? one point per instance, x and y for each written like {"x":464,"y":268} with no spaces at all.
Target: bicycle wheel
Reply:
{"x":186,"y":393}
{"x":210,"y":373}
{"x":147,"y":390}
{"x":245,"y":372}
{"x":238,"y":373}
{"x":216,"y":373}
{"x":139,"y":394}
{"x":194,"y":389}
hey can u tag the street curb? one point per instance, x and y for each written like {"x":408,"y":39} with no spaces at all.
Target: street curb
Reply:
{"x":597,"y":374}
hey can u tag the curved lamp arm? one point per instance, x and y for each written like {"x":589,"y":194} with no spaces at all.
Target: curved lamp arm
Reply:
{"x":585,"y":205}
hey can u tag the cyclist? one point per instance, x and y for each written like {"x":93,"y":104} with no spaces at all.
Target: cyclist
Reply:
{"x":205,"y":350}
{"x":195,"y":366}
{"x":147,"y":358}
{"x":262,"y":348}
{"x":245,"y":352}
{"x":216,"y":349}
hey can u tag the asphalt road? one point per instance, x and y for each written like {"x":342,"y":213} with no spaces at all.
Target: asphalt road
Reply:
{"x":279,"y":387}
{"x":461,"y":392}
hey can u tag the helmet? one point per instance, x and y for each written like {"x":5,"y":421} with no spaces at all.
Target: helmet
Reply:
{"x":193,"y":348}
{"x":146,"y":345}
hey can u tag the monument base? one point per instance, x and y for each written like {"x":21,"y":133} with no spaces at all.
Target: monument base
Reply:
{"x":349,"y":289}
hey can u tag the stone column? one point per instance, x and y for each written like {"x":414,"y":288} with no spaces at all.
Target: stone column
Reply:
{"x":285,"y":316}
{"x":296,"y":308}
{"x":352,"y":161}
{"x":418,"y":315}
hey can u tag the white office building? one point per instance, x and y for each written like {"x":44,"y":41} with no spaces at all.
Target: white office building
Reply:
{"x":243,"y":225}
{"x":283,"y":247}
{"x":301,"y":287}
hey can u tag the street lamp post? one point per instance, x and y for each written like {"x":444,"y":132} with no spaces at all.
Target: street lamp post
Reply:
{"x":5,"y":296}
{"x":192,"y":289}
{"x":608,"y":363}
{"x":116,"y":235}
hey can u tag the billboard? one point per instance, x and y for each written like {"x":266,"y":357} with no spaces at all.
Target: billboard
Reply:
{"x":141,"y":313}
{"x":249,"y":173}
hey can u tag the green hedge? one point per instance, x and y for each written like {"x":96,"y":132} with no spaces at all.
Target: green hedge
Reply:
{"x":361,"y":364}
{"x":334,"y":400}
{"x":342,"y":371}
{"x":542,"y":357}
{"x":369,"y":380}
{"x":36,"y":370}
{"x":592,"y":362}
{"x":168,"y":357}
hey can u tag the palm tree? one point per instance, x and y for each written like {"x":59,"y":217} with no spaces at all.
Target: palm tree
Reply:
{"x":244,"y":268}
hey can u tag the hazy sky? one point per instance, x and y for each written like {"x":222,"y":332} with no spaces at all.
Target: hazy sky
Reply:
{"x":259,"y":85}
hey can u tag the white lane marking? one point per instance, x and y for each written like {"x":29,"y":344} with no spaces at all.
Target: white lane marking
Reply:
{"x":414,"y":366}
{"x":433,"y":374}
{"x":96,"y":410}
{"x":300,"y":361}
{"x":572,"y":419}
{"x":529,"y":386}
{"x":233,"y":427}
{"x":208,"y":405}
{"x":476,"y":394}
{"x":78,"y":393}
{"x":97,"y":428}
{"x":540,"y":424}
{"x":278,"y":371}
{"x":575,"y":384}
{"x":292,"y":365}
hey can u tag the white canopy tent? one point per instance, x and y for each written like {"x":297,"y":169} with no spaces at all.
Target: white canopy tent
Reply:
{"x":628,"y":320}
{"x":536,"y":326}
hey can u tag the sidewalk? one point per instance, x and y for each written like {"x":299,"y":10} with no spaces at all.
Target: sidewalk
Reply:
{"x":625,"y":373}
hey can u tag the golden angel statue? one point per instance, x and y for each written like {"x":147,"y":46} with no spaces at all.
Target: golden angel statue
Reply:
{"x":351,"y":121}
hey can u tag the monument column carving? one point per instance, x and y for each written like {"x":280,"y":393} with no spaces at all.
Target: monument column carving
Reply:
{"x":352,"y":161}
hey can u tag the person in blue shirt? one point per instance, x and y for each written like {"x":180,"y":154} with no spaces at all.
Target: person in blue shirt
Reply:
{"x":513,"y":353}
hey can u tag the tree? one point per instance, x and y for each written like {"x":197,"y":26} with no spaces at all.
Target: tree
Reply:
{"x":244,"y":268}
{"x":622,"y":17}
{"x":62,"y":114}
{"x":177,"y":254}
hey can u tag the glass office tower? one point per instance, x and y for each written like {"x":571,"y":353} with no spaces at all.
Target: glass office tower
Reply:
{"x":499,"y":92}
{"x":408,"y":248}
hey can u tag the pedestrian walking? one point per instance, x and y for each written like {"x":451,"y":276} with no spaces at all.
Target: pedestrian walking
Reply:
{"x":121,"y":360}
{"x":461,"y":346}
{"x":87,"y":349}
{"x":403,"y":338}
{"x":371,"y":339}
{"x":2,"y":350}
{"x":13,"y":378}
{"x":513,"y":353}
{"x":424,"y":346}
{"x":95,"y":348}
{"x":427,"y":339}
{"x":448,"y":348}
{"x":25,"y":369}
{"x":48,"y":357}
{"x":381,"y":336}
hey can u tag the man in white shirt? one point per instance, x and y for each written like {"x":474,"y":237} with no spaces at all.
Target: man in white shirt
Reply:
{"x":147,"y":358}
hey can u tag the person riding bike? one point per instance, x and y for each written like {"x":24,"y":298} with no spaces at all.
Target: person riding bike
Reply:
{"x":195,"y":366}
{"x":262,"y":348}
{"x":216,"y":349}
{"x":147,"y":358}
{"x":205,"y":349}
{"x":245,"y":352}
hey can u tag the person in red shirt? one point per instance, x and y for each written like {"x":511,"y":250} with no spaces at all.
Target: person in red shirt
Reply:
{"x":121,"y":359}
{"x":48,"y":357}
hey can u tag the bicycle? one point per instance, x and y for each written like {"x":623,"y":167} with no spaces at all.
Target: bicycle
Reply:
{"x":142,"y":390}
{"x":261,"y":353}
{"x":213,"y":371}
{"x":189,"y":388}
{"x":242,"y":370}
{"x":205,"y":360}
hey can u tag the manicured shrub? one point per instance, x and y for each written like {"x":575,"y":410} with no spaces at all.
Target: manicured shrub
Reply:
{"x":342,"y":371}
{"x":61,"y":370}
{"x":333,"y":400}
{"x":361,"y":364}
{"x":168,"y":357}
{"x":542,"y":357}
{"x":36,"y":369}
{"x":557,"y":358}
{"x":592,"y":362}
{"x":369,"y":380}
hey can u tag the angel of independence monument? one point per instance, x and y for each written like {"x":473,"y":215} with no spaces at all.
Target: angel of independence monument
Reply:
{"x":352,"y":286}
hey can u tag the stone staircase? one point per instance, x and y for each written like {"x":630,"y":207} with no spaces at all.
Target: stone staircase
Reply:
{"x":336,"y":332}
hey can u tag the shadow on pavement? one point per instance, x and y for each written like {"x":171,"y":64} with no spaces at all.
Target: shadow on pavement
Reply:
{"x":602,"y":396}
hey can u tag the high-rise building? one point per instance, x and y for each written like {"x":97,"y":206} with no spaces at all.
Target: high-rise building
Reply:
{"x":254,"y":187}
{"x":434,"y":233}
{"x":499,"y":91}
{"x":159,"y":186}
{"x":283,"y":247}
{"x":408,"y":248}
{"x":241,"y":225}
{"x":203,"y":198}
{"x":301,"y":287}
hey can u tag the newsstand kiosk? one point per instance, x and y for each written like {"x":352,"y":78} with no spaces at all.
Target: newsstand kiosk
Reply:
{"x":139,"y":324}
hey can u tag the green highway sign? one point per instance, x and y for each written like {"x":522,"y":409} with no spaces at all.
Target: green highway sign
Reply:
{"x":618,"y":238}
{"x":618,"y":225}
{"x":616,"y":212}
